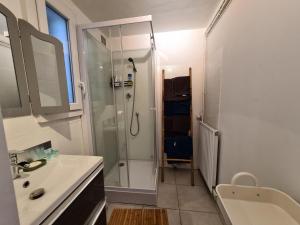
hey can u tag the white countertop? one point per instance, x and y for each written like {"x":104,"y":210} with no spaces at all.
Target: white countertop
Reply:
{"x":59,"y":177}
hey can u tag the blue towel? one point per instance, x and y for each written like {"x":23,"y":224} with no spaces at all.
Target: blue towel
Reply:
{"x":177,"y":125}
{"x":180,"y":147}
{"x":173,"y":108}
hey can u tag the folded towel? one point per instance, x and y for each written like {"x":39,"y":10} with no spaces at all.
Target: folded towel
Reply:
{"x":181,"y":86}
{"x":173,"y":108}
{"x":177,"y":125}
{"x":168,"y":89}
{"x":179,"y":147}
{"x":177,"y":89}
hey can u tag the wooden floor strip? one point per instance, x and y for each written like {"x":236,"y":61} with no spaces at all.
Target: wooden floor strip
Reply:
{"x":139,"y":217}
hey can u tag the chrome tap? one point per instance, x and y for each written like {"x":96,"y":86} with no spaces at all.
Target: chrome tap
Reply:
{"x":15,"y":166}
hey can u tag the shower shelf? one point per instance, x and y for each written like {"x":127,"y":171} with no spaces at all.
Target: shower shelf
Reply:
{"x":118,"y":84}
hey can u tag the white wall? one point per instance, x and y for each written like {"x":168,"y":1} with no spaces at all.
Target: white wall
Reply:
{"x":179,"y":50}
{"x":8,"y":204}
{"x":23,"y":132}
{"x":259,"y":104}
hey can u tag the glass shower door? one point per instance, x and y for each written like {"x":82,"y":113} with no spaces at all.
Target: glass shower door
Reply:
{"x":117,"y":62}
{"x":140,"y":107}
{"x":106,"y":108}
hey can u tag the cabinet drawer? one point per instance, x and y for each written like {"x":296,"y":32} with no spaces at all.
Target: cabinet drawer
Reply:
{"x":102,"y":218}
{"x":84,"y":205}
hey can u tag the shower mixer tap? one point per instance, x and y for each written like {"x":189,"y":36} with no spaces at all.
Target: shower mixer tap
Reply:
{"x":128,"y":96}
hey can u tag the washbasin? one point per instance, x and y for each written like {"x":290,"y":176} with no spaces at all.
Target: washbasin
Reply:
{"x":45,"y":177}
{"x":59,"y":177}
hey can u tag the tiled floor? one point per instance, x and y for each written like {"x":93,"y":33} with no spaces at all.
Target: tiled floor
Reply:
{"x":186,"y":205}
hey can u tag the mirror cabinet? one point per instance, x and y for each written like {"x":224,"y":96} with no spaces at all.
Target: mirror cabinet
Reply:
{"x":14,"y":98}
{"x":32,"y":69}
{"x":45,"y":69}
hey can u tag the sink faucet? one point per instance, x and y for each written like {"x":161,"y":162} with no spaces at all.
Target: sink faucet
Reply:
{"x":16,"y":170}
{"x":15,"y":166}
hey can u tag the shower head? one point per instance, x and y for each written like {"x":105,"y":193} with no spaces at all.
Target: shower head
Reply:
{"x":132,"y":61}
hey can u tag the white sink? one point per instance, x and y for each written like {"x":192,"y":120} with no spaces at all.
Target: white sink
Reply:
{"x":59,"y":177}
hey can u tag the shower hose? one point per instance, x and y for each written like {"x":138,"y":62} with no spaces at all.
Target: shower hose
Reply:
{"x":134,"y":134}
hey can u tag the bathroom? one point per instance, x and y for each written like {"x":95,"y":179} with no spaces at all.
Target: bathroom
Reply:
{"x":84,"y":126}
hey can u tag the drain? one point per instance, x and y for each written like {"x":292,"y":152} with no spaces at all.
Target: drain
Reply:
{"x":37,"y":194}
{"x":26,"y":184}
{"x":121,"y":164}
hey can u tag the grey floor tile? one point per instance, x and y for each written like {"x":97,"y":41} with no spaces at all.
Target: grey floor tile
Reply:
{"x":112,"y":206}
{"x":199,"y":218}
{"x":167,"y":196}
{"x":183,"y":177}
{"x":173,"y":217}
{"x":195,"y":198}
{"x":169,"y":176}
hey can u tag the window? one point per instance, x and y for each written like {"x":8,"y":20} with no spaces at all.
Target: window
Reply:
{"x":58,"y":28}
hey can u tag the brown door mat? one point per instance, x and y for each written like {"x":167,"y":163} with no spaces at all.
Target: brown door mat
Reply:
{"x":139,"y":217}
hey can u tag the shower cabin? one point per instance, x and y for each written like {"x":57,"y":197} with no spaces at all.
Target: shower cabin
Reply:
{"x":117,"y":62}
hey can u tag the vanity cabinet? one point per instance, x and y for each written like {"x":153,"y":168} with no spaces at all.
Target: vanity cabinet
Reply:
{"x":84,"y":206}
{"x":88,"y":207}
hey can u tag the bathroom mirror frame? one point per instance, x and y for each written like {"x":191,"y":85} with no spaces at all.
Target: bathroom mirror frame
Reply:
{"x":27,"y":31}
{"x":16,"y":50}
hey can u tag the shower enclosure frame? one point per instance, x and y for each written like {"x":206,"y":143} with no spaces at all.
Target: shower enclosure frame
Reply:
{"x":116,"y":193}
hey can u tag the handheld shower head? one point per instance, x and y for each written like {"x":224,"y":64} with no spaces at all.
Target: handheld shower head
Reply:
{"x":132,"y":61}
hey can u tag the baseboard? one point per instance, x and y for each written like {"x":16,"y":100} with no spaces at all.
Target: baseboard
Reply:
{"x":131,"y":197}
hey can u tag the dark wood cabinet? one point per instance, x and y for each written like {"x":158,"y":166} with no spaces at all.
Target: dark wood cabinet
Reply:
{"x":88,"y":206}
{"x":101,"y":220}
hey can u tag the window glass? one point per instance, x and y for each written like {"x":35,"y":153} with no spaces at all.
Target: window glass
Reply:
{"x":58,"y":28}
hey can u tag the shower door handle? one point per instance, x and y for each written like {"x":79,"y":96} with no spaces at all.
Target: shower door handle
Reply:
{"x":152,"y":109}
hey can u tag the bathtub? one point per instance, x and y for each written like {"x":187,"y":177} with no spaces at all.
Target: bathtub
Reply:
{"x":254,"y":205}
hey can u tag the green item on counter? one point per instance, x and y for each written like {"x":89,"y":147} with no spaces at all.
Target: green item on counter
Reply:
{"x":50,"y":153}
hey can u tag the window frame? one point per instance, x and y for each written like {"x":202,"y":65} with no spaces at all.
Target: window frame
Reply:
{"x":64,"y":10}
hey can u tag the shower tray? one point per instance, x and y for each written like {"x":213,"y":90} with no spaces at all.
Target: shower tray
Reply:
{"x":142,"y":188}
{"x":253,"y":205}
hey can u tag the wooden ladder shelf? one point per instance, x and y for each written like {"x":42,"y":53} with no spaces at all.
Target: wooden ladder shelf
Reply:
{"x":164,"y":158}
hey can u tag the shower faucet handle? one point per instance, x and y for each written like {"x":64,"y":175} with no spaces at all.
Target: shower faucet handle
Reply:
{"x":128,"y":95}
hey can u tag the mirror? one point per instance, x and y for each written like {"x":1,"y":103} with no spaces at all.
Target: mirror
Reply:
{"x":9,"y":93}
{"x":44,"y":63}
{"x":13,"y":88}
{"x":48,"y":82}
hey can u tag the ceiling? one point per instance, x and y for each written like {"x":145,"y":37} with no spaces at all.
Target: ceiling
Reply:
{"x":168,"y":15}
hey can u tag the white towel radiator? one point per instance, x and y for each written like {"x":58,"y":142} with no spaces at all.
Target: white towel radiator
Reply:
{"x":208,"y":151}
